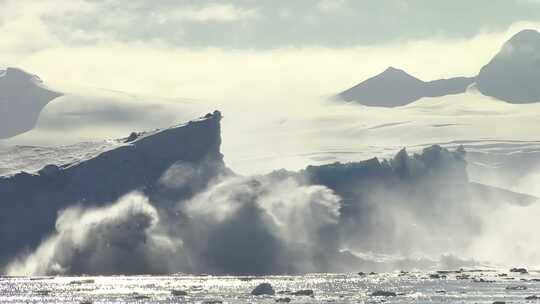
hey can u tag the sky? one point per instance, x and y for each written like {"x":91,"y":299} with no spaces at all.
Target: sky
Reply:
{"x":273,"y":61}
{"x":222,"y":50}
{"x":261,"y":24}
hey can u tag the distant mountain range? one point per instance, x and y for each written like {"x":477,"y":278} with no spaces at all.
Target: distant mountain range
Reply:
{"x":395,"y":87}
{"x":512,"y":76}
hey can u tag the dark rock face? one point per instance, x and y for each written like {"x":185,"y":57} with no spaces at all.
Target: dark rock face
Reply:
{"x":383,"y":293}
{"x":514,"y":73}
{"x":263,"y":289}
{"x":22,"y":97}
{"x":30,"y":203}
{"x":519,"y":270}
{"x":394,"y":87}
{"x":179,"y":293}
{"x":512,"y":76}
{"x":304,"y":292}
{"x":444,"y":170}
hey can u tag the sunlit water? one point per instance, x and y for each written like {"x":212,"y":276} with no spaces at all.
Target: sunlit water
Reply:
{"x":415,"y":287}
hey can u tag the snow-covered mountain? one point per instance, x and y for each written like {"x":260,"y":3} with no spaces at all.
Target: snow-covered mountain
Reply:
{"x":512,"y":75}
{"x":500,"y":137}
{"x":90,"y":114}
{"x":22,"y":98}
{"x":79,"y":113}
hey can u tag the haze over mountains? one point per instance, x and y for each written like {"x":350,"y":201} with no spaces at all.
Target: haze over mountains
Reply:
{"x":300,"y":136}
{"x":79,"y":113}
{"x":92,"y":114}
{"x":512,"y":76}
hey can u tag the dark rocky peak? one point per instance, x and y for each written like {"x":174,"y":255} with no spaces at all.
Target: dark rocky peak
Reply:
{"x":514,"y":73}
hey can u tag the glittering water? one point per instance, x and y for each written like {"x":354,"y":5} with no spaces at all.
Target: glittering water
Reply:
{"x":415,"y":287}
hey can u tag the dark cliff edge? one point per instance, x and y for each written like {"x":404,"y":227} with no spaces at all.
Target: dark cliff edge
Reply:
{"x":226,"y":224}
{"x":30,"y":203}
{"x":432,"y":187}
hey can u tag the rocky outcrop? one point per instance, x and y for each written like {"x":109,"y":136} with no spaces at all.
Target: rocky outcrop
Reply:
{"x":263,"y":289}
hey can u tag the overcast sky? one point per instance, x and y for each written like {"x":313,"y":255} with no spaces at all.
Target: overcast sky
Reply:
{"x":264,"y":23}
{"x":211,"y":49}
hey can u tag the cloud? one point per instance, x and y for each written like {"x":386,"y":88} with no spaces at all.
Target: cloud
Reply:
{"x":252,"y":24}
{"x":122,"y":238}
{"x":236,"y":226}
{"x":509,"y":236}
{"x":24,"y":24}
{"x":248,"y":225}
{"x":208,"y":13}
{"x":412,"y":209}
{"x":331,"y":5}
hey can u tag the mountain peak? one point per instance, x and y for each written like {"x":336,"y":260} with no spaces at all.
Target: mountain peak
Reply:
{"x":397,"y":72}
{"x":392,"y":69}
{"x":394,"y":87}
{"x":525,"y":36}
{"x":513,"y":74}
{"x":17,"y":76}
{"x":524,"y":43}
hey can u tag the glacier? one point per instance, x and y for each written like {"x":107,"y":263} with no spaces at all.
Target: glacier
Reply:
{"x":165,"y":202}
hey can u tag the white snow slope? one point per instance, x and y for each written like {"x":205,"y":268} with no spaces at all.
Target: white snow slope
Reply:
{"x":502,"y":140}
